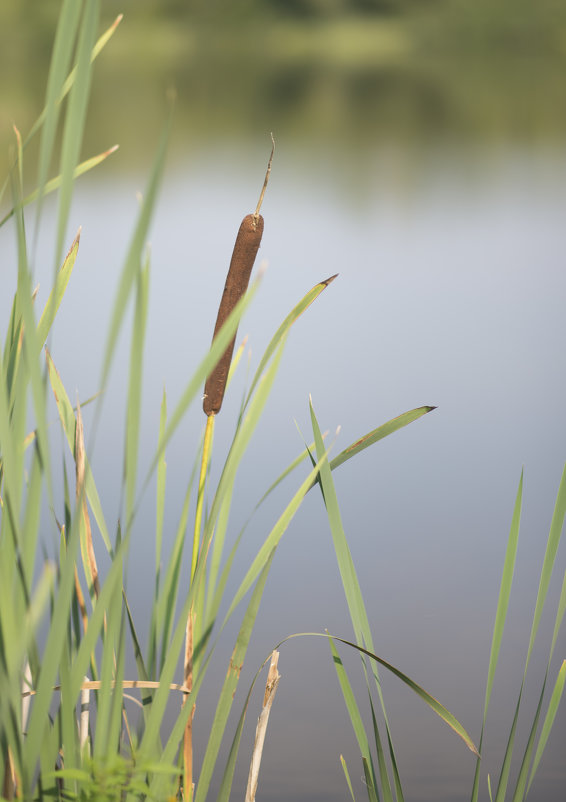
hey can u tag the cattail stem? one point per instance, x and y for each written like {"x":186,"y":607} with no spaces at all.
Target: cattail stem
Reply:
{"x":243,"y":258}
{"x":206,"y":451}
{"x":188,"y":669}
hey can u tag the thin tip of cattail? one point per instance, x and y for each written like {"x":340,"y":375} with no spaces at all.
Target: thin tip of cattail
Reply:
{"x":338,"y":429}
{"x":262,"y":269}
{"x":328,"y":281}
{"x":117,"y":21}
{"x":260,"y":201}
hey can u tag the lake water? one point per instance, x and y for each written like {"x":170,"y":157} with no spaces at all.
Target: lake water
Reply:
{"x":450,"y":293}
{"x":448,"y":237}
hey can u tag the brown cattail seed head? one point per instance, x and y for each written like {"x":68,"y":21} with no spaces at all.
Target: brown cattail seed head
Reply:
{"x":241,"y":264}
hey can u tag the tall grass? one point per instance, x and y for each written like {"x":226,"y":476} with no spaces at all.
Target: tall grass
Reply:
{"x":66,"y":730}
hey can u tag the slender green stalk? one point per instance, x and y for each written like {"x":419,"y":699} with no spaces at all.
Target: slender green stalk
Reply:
{"x":205,"y":460}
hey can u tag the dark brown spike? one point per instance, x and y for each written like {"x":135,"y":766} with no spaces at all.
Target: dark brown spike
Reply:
{"x":241,"y":264}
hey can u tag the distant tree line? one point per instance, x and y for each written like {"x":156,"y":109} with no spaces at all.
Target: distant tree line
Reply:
{"x":298,"y":9}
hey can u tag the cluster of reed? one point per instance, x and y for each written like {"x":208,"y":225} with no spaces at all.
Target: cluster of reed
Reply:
{"x":55,"y":673}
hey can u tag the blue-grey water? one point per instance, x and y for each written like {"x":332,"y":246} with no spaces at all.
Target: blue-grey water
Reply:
{"x":451,"y":293}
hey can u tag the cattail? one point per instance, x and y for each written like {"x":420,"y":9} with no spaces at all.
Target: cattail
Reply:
{"x":243,"y":258}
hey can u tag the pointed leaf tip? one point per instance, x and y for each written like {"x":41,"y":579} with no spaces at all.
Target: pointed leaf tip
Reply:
{"x":328,"y":281}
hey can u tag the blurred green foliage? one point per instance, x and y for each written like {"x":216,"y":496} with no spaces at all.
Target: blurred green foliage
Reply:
{"x":355,"y":72}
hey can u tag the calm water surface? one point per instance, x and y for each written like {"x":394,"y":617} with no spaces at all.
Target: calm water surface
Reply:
{"x":451,"y":293}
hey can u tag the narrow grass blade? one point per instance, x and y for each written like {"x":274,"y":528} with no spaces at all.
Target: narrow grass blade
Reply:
{"x":519,"y":793}
{"x":257,"y":567}
{"x":151,"y":736}
{"x":62,"y":50}
{"x":100,"y":44}
{"x":352,"y":590}
{"x":295,"y":313}
{"x":351,"y":706}
{"x":378,"y":434}
{"x":31,"y":347}
{"x":272,"y":539}
{"x":385,"y":785}
{"x":554,"y":536}
{"x":104,"y":710}
{"x":138,"y":653}
{"x":67,"y":416}
{"x":12,"y":453}
{"x":433,"y":703}
{"x":167,"y":599}
{"x":561,"y":610}
{"x":371,"y":789}
{"x":347,"y":776}
{"x":12,"y":346}
{"x":354,"y":599}
{"x":503,"y":781}
{"x":504,"y":593}
{"x":55,"y":183}
{"x":134,"y":255}
{"x":58,"y":291}
{"x":546,"y":572}
{"x":50,"y":662}
{"x":112,"y":585}
{"x":31,"y":521}
{"x":66,"y":714}
{"x":219,"y":345}
{"x":555,"y":700}
{"x":218,"y":550}
{"x":500,"y":617}
{"x":228,"y":691}
{"x":159,"y":518}
{"x":228,"y":775}
{"x":214,"y":604}
{"x":160,"y":493}
{"x":289,"y":469}
{"x":75,"y":118}
{"x":135,"y":388}
{"x":237,"y":450}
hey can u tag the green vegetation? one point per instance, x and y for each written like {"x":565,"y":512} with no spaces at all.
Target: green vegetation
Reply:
{"x":66,"y":727}
{"x":474,"y":73}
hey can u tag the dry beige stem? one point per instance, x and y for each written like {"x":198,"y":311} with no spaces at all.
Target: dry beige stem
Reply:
{"x":85,"y":715}
{"x":96,"y":685}
{"x":273,"y":678}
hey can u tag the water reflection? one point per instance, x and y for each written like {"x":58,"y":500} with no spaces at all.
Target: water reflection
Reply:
{"x":351,"y":82}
